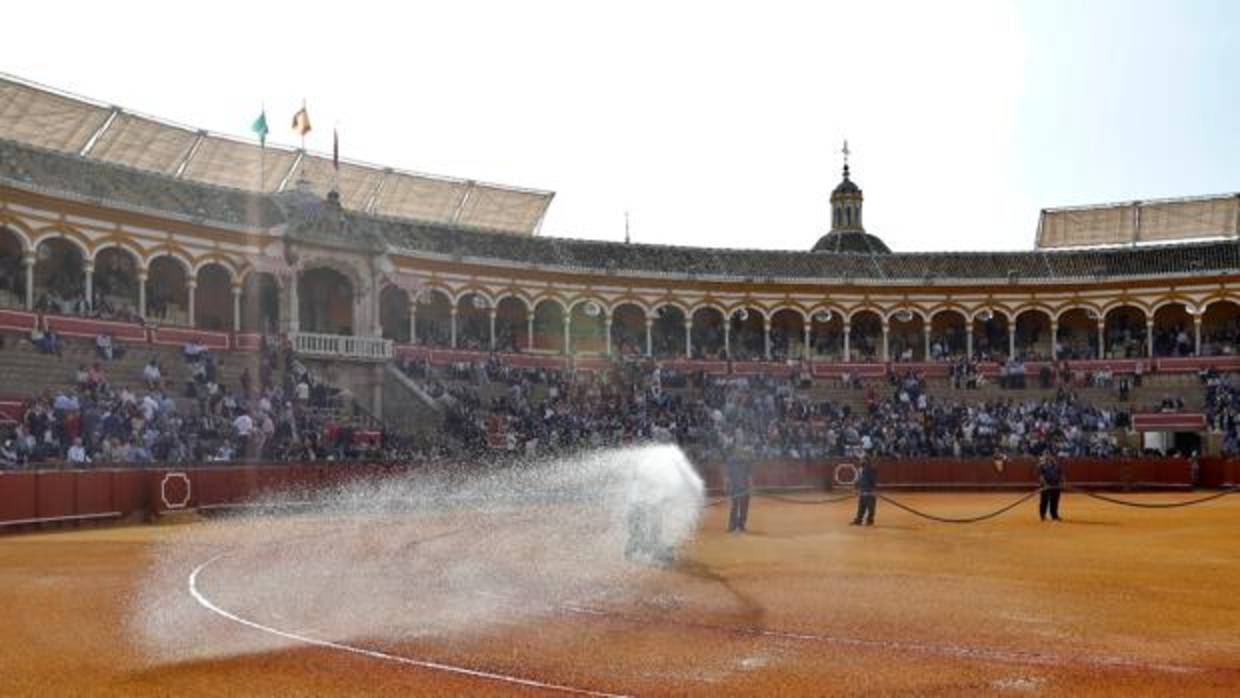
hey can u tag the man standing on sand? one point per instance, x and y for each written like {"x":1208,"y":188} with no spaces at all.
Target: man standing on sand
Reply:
{"x":867,"y":502}
{"x":739,"y":482}
{"x":1050,"y":478}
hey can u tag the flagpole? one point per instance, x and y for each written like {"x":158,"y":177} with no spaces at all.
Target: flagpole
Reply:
{"x":262,"y":154}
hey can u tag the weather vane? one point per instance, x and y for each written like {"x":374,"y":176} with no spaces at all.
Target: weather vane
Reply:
{"x":845,"y":151}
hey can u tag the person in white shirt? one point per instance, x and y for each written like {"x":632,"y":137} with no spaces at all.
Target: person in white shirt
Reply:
{"x":77,"y":453}
{"x":152,"y":374}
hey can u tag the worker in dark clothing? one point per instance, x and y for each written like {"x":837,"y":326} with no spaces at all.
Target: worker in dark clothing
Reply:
{"x":739,"y":482}
{"x":1050,"y":478}
{"x":867,"y":482}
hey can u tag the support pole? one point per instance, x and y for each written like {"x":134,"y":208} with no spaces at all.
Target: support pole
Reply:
{"x":649,"y":337}
{"x":191,"y":286}
{"x":28,"y":263}
{"x":236,"y":297}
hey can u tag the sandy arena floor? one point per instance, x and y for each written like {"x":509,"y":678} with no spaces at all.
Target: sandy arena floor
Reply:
{"x":1113,"y":601}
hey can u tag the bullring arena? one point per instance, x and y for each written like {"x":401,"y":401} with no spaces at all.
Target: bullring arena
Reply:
{"x":278,"y":426}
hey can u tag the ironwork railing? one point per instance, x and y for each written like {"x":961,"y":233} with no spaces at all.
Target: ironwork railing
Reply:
{"x":338,"y":346}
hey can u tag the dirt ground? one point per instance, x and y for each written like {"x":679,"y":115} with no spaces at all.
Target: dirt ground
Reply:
{"x":1111,"y":602}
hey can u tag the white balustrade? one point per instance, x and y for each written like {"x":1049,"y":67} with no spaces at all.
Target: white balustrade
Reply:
{"x":339,"y":346}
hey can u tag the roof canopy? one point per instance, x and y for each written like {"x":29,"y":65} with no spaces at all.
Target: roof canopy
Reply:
{"x":34,"y":115}
{"x":1161,"y":220}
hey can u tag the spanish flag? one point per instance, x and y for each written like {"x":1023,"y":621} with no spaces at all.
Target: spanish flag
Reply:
{"x":301,"y":121}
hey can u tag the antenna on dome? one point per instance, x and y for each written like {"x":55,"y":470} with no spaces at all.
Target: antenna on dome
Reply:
{"x":626,"y":227}
{"x":846,"y":153}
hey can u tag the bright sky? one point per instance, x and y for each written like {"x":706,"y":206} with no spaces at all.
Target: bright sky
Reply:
{"x":714,"y":123}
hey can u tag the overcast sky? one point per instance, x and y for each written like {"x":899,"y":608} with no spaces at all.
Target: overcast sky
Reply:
{"x":714,"y":123}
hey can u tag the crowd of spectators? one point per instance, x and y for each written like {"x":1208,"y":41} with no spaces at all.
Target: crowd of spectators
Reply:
{"x":282,"y":414}
{"x":1223,"y":407}
{"x":538,"y":410}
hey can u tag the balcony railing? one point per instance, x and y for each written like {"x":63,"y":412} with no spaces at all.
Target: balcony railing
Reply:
{"x":336,"y":346}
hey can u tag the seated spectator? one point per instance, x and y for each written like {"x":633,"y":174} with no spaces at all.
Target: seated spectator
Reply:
{"x":77,"y":453}
{"x":193,"y":351}
{"x":104,"y":347}
{"x":151,"y":374}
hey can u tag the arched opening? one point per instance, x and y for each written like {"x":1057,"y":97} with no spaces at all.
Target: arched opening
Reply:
{"x":1173,"y":331}
{"x":1078,"y":335}
{"x":511,"y":324}
{"x":434,"y":318}
{"x":115,"y":283}
{"x":166,"y":295}
{"x":588,"y":328}
{"x":1220,"y":328}
{"x":948,"y":341}
{"x":12,"y":271}
{"x":1124,"y":333}
{"x":1033,"y":335}
{"x":394,"y":314}
{"x":213,"y":303}
{"x":326,"y":298}
{"x":549,"y":326}
{"x":668,"y":331}
{"x":473,"y":322}
{"x":260,"y":303}
{"x":865,"y":336}
{"x":826,"y":334}
{"x":787,"y":335}
{"x":706,"y":333}
{"x":748,"y":334}
{"x":628,"y":330}
{"x":59,"y":281}
{"x":906,"y":336}
{"x":990,"y":335}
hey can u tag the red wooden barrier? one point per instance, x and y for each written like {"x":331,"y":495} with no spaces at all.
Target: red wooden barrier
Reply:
{"x":18,"y":320}
{"x":89,"y":327}
{"x":247,"y":341}
{"x":56,"y":495}
{"x":93,"y":491}
{"x":217,"y":341}
{"x":18,"y":497}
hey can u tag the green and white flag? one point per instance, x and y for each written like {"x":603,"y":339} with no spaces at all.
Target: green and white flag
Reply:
{"x":260,"y":127}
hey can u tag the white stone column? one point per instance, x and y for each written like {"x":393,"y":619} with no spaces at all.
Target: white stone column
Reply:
{"x":1054,"y":339}
{"x":607,"y":331}
{"x":413,"y":321}
{"x":452,"y":319}
{"x":529,"y":330}
{"x":236,"y":296}
{"x":28,"y":263}
{"x":649,"y":336}
{"x":886,"y":339}
{"x":89,"y":269}
{"x":491,"y":313}
{"x":926,"y":328}
{"x":191,"y":286}
{"x":968,"y":342}
{"x":805,"y":349}
{"x":847,"y":340}
{"x":766,"y":338}
{"x":1102,"y":348}
{"x":142,"y":278}
{"x":568,"y":332}
{"x":1196,"y":335}
{"x":294,"y":304}
{"x":688,"y":339}
{"x":1011,"y":340}
{"x":1149,"y":338}
{"x":727,"y":337}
